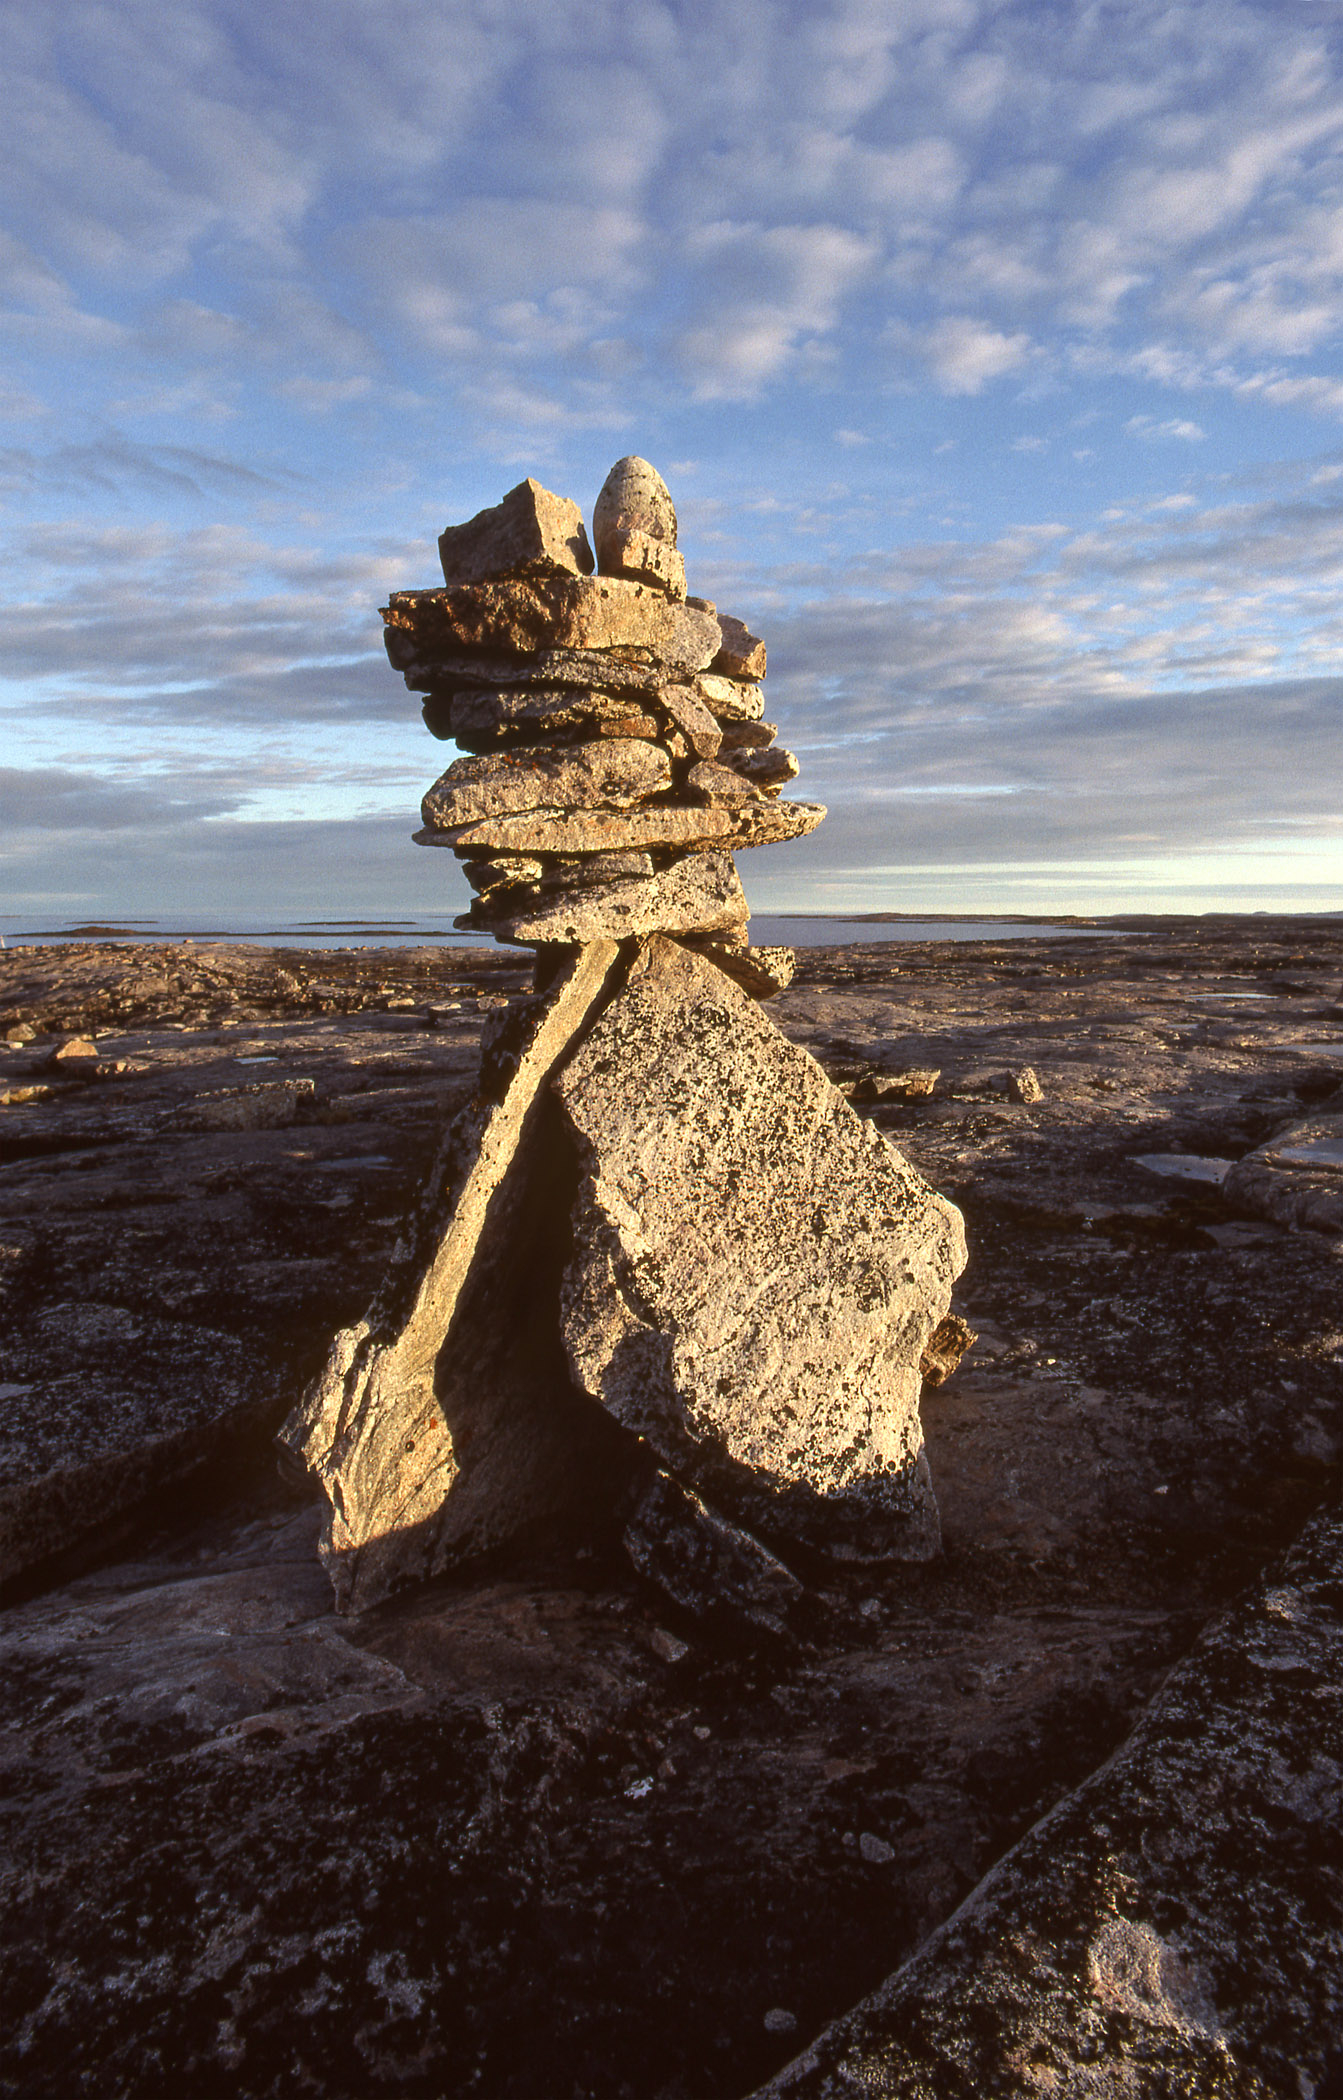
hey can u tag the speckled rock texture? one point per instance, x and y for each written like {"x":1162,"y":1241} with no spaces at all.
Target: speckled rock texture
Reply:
{"x":516,"y":616}
{"x":703,"y":891}
{"x":531,"y":532}
{"x":1176,"y":1926}
{"x":532,"y":1828}
{"x":612,"y":773}
{"x":560,"y":831}
{"x":1297,"y":1178}
{"x":437,"y":1427}
{"x":633,"y":498}
{"x":755,"y":1271}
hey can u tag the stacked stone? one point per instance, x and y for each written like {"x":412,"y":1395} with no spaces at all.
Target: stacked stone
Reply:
{"x":616,"y":754}
{"x":663,"y":1276}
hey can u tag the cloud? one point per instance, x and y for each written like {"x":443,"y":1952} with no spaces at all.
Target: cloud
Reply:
{"x":39,"y":799}
{"x":1173,"y":427}
{"x":764,"y":289}
{"x":116,"y":463}
{"x":965,"y":354}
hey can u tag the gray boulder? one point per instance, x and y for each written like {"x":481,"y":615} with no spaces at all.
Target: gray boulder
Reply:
{"x":755,"y":1270}
{"x":1174,"y":1926}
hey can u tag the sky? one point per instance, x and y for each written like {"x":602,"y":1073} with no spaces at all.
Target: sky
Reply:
{"x":990,"y":349}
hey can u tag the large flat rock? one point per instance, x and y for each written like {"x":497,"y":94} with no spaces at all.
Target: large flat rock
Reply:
{"x":1176,"y":1925}
{"x":534,"y":1831}
{"x":561,"y":831}
{"x":1297,"y":1178}
{"x":755,"y":1270}
{"x":613,"y":773}
{"x":554,"y":612}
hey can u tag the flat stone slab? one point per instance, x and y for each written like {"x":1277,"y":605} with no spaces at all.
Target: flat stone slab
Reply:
{"x":755,"y":1271}
{"x":559,"y":831}
{"x":612,"y":774}
{"x":101,"y":1406}
{"x":1297,"y":1178}
{"x":429,"y":1437}
{"x":1176,"y":1924}
{"x":700,"y":894}
{"x":487,"y":716}
{"x":560,"y":612}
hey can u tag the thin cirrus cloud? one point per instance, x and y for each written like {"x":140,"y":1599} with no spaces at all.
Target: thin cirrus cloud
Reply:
{"x":997,"y":346}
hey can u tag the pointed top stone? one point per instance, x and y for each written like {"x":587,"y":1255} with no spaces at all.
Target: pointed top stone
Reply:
{"x":634,"y":528}
{"x":634,"y":498}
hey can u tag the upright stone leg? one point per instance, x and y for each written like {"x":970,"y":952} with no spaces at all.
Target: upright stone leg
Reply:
{"x":443,"y":1422}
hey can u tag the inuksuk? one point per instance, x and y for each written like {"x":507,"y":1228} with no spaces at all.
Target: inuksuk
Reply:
{"x":663,"y":1279}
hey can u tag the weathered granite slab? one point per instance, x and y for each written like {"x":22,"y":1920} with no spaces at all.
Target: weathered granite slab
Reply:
{"x":763,"y":972}
{"x":1297,"y":1178}
{"x":558,"y":831}
{"x":1176,"y":1925}
{"x":682,"y":704}
{"x":731,"y":699}
{"x":742,"y":654}
{"x":583,"y":869}
{"x":439,"y":1424}
{"x":104,"y":1407}
{"x":719,"y":784}
{"x":708,"y":1566}
{"x":559,"y":612}
{"x":612,"y":774}
{"x":699,"y":894}
{"x":755,"y":1271}
{"x":531,"y":532}
{"x":769,"y":769}
{"x":441,"y":667}
{"x":746,"y":736}
{"x":486,"y":717}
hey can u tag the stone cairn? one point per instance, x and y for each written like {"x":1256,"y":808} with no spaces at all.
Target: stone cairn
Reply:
{"x":663,"y":1280}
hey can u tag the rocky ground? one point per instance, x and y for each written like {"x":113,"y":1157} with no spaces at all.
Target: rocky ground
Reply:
{"x":529,"y":1833}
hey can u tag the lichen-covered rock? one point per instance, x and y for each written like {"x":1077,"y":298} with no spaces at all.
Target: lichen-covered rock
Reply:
{"x":755,"y":1271}
{"x":613,"y":773}
{"x":1176,"y":1925}
{"x":531,"y":532}
{"x":519,"y":615}
{"x":1297,"y":1178}
{"x":716,"y":784}
{"x":769,"y":769}
{"x":699,"y":894}
{"x":482,"y":719}
{"x":731,"y":699}
{"x":763,"y":972}
{"x":644,"y":559}
{"x":439,"y":1425}
{"x":709,"y":1567}
{"x":741,"y":654}
{"x":633,"y":498}
{"x":560,"y":831}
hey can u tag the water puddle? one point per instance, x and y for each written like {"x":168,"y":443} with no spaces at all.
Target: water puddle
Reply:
{"x":1185,"y":1166}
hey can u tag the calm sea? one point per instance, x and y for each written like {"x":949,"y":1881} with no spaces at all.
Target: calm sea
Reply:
{"x":800,"y":931}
